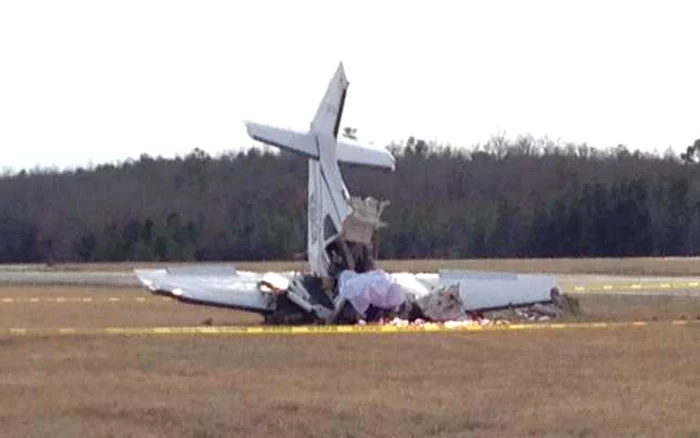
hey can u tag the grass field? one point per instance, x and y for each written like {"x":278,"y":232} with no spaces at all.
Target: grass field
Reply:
{"x":574,"y":383}
{"x":634,"y":382}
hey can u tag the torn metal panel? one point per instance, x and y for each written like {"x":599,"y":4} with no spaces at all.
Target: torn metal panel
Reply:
{"x":272,"y":282}
{"x":302,"y":294}
{"x":443,"y":304}
{"x":364,"y":219}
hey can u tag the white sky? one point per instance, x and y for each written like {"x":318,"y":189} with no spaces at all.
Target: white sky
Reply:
{"x":97,"y":81}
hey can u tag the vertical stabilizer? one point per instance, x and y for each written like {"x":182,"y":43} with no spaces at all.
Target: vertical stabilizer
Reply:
{"x":329,"y":112}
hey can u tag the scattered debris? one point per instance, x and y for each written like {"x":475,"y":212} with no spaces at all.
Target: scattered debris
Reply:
{"x":373,"y":298}
{"x":443,"y":304}
{"x":422,"y":323}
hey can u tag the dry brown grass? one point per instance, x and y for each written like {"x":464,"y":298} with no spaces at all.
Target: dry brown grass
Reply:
{"x":638,"y":308}
{"x":633,"y":382}
{"x":595,"y":382}
{"x":125,"y":313}
{"x":671,"y":266}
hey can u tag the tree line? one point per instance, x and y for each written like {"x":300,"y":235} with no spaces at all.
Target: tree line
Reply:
{"x":507,"y":198}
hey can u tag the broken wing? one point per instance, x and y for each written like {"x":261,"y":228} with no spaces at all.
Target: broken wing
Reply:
{"x":212,"y":286}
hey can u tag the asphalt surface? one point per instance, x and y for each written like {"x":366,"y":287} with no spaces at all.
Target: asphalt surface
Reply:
{"x":629,"y":285}
{"x":125,"y":279}
{"x":573,"y":284}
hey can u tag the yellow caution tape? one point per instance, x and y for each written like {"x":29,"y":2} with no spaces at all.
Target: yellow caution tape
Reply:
{"x":320,"y":329}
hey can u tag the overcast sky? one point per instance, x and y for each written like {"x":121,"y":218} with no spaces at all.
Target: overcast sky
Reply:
{"x":97,"y":81}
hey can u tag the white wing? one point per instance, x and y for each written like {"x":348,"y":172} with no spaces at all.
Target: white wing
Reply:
{"x":199,"y":284}
{"x":481,"y":290}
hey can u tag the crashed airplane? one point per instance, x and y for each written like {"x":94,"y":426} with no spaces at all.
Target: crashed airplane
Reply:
{"x":343,"y":285}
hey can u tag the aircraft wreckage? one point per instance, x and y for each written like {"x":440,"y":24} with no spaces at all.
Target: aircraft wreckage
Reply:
{"x":343,"y":285}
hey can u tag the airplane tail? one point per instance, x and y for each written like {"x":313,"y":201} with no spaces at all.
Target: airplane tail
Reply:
{"x":329,"y":112}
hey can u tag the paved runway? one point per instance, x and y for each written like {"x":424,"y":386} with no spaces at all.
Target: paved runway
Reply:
{"x":573,"y":284}
{"x":126,"y":279}
{"x":629,"y":285}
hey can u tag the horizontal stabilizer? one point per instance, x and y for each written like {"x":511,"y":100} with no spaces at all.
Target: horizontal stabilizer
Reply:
{"x":355,"y":153}
{"x":285,"y":139}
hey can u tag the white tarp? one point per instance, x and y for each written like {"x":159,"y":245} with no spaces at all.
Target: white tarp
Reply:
{"x":369,"y":288}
